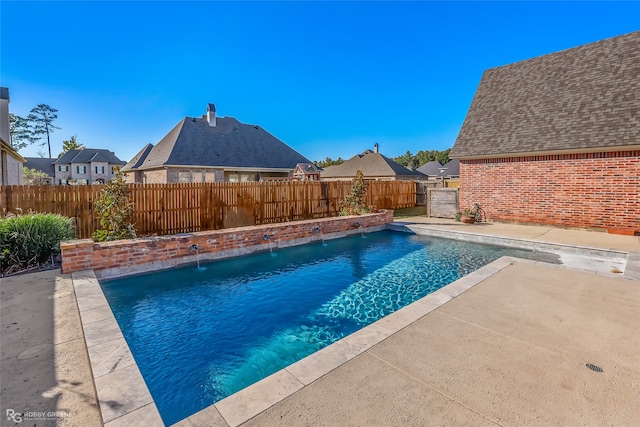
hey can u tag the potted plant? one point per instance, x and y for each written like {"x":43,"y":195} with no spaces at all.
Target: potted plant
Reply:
{"x":470,"y":216}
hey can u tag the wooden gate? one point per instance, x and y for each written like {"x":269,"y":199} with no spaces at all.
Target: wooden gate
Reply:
{"x":442,"y":202}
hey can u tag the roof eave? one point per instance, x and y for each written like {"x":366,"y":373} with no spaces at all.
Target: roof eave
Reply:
{"x":619,"y":148}
{"x":13,"y":151}
{"x":224,"y":168}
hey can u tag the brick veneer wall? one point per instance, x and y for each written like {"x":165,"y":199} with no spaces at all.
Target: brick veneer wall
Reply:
{"x":112,"y":259}
{"x":592,"y":190}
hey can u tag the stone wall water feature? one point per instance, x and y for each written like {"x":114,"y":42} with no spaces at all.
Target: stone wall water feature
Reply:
{"x":123,"y":257}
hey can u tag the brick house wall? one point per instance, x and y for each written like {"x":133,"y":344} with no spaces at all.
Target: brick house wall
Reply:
{"x":592,"y":190}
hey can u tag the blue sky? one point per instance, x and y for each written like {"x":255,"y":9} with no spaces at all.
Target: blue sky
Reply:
{"x":328,"y":78}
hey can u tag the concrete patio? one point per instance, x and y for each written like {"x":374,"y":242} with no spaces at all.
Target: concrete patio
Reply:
{"x":511,"y":350}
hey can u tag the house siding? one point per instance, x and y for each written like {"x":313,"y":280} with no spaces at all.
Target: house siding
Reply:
{"x":592,"y":190}
{"x":11,"y":172}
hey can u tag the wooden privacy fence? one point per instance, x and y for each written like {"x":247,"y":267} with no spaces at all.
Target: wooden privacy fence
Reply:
{"x":183,"y":208}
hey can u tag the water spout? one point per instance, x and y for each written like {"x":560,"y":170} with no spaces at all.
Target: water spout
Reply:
{"x":195,"y":248}
{"x":317,"y":229}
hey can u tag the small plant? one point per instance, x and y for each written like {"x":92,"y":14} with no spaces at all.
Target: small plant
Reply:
{"x":114,"y":208}
{"x":353,"y":203}
{"x":475,"y":212}
{"x":29,"y":240}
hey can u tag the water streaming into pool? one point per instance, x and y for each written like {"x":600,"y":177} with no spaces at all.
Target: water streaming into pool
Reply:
{"x":201,"y":334}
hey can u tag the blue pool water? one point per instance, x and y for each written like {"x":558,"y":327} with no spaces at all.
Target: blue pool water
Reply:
{"x":201,"y":334}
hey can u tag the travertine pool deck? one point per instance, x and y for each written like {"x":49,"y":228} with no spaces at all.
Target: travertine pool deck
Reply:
{"x":510,"y":350}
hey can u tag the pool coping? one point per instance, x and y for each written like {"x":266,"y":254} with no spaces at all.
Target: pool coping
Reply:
{"x":125,"y":398}
{"x":632,"y":262}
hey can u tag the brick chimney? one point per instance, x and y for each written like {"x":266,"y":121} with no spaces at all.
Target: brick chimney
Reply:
{"x":211,"y":114}
{"x":4,"y":114}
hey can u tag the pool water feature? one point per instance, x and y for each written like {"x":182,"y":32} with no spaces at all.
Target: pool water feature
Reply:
{"x":201,"y":334}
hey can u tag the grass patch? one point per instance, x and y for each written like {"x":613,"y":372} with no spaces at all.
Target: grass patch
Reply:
{"x":407,"y":212}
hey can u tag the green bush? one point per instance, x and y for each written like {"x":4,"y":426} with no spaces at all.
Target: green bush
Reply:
{"x":29,"y":240}
{"x":353,"y":203}
{"x":114,"y":208}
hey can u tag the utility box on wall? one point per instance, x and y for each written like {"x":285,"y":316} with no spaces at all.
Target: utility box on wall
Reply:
{"x":442,"y":202}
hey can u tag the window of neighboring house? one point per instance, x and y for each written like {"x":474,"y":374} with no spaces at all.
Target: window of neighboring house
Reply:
{"x":81,"y":169}
{"x":184,"y":176}
{"x":100,"y":169}
{"x":61,"y":183}
{"x":113,"y":170}
{"x":63,"y":168}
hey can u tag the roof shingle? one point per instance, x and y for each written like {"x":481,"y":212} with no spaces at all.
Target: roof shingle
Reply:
{"x":88,"y":155}
{"x":372,"y":165}
{"x":586,"y":98}
{"x":192,"y":142}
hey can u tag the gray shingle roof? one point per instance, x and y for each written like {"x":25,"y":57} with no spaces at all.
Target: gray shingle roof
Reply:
{"x":309,"y":168}
{"x":453,"y":168}
{"x":88,"y":155}
{"x":372,"y":165}
{"x":42,"y":164}
{"x":229,"y":144}
{"x":586,"y":98}
{"x":431,"y":168}
{"x":138,"y":159}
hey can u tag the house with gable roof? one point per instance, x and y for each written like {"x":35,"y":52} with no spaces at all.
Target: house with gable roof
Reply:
{"x":373,"y":165}
{"x":213,"y":149}
{"x":86,"y":166}
{"x":556,"y":139}
{"x":307,"y":172}
{"x":432,"y":169}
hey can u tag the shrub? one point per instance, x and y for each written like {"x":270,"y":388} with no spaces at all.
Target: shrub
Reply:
{"x":475,"y":212}
{"x":114,"y":208}
{"x":353,"y":203}
{"x":29,"y":240}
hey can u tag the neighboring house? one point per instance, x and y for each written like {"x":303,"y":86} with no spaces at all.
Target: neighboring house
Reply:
{"x":432,"y":169}
{"x":213,"y":149}
{"x":373,"y":166}
{"x":86,"y":166}
{"x":307,"y":172}
{"x":451,"y":169}
{"x":44,"y":165}
{"x":10,"y":160}
{"x":556,"y":139}
{"x":435,"y":169}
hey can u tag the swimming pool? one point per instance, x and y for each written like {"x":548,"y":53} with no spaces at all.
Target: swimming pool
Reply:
{"x":201,"y":334}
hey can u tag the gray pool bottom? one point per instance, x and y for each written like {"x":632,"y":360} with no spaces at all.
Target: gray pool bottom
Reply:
{"x":125,"y":399}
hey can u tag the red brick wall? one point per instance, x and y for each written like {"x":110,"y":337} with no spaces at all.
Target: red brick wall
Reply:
{"x":593,"y":190}
{"x":144,"y":254}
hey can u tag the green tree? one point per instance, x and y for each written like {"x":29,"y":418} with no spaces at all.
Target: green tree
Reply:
{"x":353,"y":203}
{"x":70,"y":144}
{"x":329,"y":162}
{"x":33,"y":176}
{"x":114,"y":208}
{"x":422,"y":157}
{"x":20,"y":133}
{"x":41,"y":122}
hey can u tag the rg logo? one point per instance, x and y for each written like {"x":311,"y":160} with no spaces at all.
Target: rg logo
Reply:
{"x":14,"y":416}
